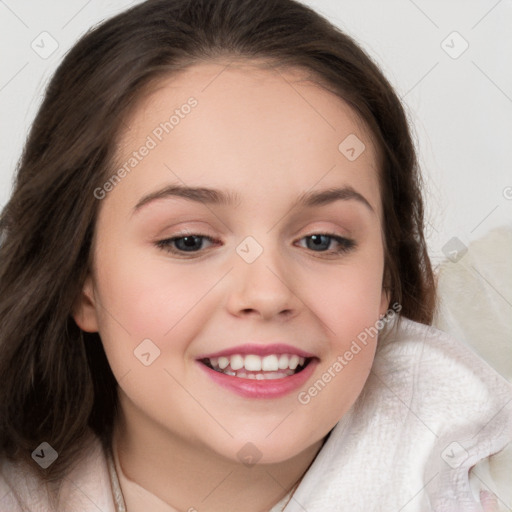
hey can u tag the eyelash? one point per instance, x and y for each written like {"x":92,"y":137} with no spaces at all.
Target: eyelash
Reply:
{"x":346,"y":244}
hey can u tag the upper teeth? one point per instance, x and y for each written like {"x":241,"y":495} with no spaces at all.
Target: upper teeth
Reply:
{"x":254,"y":363}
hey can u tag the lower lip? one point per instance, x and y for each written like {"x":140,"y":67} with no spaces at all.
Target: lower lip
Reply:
{"x":270,"y":388}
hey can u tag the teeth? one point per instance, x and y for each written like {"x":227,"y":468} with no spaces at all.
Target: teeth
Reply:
{"x":236,"y":362}
{"x":223,"y":362}
{"x":270,"y":363}
{"x":294,"y":362}
{"x":261,"y":376}
{"x":252,"y":363}
{"x":283,"y":361}
{"x":281,"y":365}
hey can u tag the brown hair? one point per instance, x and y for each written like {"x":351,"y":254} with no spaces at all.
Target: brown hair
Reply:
{"x":56,"y":382}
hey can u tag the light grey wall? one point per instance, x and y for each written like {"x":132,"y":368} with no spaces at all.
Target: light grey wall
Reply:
{"x":459,"y":99}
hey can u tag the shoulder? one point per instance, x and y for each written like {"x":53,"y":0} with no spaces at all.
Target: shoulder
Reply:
{"x":86,"y":488}
{"x":461,"y":399}
{"x":435,"y":362}
{"x":446,"y":383}
{"x":430,"y":413}
{"x":19,"y":489}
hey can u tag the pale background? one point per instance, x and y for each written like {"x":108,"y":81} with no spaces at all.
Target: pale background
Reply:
{"x":461,"y":107}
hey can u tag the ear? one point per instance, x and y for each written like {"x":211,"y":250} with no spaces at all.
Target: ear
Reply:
{"x":84,"y":309}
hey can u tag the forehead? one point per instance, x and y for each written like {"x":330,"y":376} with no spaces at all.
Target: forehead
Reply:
{"x":251,"y":125}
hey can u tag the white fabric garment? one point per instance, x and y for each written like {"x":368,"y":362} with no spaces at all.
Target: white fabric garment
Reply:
{"x":420,"y":437}
{"x":430,"y":410}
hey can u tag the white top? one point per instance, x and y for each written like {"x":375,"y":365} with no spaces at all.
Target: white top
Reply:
{"x":420,"y":437}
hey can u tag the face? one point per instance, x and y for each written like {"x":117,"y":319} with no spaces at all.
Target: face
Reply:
{"x":237,"y":259}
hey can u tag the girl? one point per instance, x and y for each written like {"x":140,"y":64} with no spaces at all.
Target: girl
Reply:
{"x":216,"y":293}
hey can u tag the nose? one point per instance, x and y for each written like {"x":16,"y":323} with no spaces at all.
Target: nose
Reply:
{"x":262,"y":288}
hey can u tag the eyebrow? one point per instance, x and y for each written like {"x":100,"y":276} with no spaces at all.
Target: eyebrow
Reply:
{"x":222,"y":197}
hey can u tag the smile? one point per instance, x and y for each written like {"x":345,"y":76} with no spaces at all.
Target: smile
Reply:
{"x":256,"y":371}
{"x":252,"y":366}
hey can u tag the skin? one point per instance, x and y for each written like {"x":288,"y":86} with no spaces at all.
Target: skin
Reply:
{"x":269,"y":136}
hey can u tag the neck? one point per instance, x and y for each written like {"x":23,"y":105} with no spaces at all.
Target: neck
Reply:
{"x":191,"y":477}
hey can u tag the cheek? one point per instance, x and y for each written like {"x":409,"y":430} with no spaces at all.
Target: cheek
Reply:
{"x":348,"y":310}
{"x":144,"y":297}
{"x":145,"y":300}
{"x":349,"y":297}
{"x":149,"y":296}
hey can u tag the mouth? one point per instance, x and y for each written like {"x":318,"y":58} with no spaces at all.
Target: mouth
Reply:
{"x":255,"y":367}
{"x":260,"y":371}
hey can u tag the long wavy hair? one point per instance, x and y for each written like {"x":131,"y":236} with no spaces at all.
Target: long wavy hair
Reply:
{"x":56,"y":383}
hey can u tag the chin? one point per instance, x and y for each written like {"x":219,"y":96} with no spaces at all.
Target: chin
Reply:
{"x":266,"y":450}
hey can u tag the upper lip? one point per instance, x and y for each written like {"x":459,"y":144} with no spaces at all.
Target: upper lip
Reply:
{"x":259,"y":350}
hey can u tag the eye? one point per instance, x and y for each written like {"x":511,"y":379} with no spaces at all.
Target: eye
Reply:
{"x":320,"y":242}
{"x":188,"y":243}
{"x":194,"y":244}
